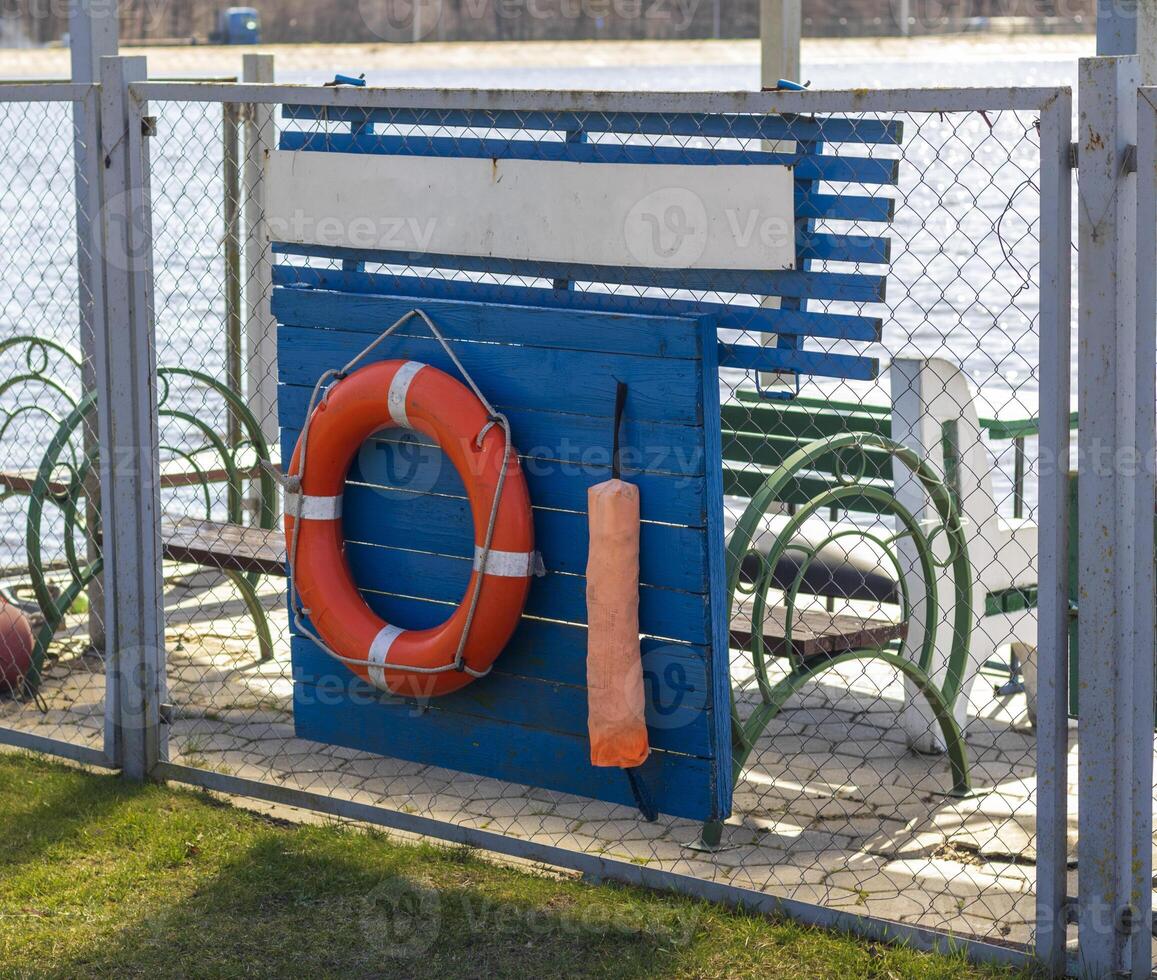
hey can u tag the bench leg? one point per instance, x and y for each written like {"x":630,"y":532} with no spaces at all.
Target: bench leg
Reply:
{"x":745,"y":735}
{"x":252,"y":601}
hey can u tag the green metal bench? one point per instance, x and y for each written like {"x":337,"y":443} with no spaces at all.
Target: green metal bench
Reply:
{"x":795,"y":466}
{"x":198,"y":458}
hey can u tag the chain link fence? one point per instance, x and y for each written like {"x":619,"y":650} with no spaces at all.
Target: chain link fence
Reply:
{"x":886,"y":384}
{"x":48,"y":534}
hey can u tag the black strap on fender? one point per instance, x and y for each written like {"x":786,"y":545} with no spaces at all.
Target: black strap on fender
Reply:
{"x":616,"y":451}
{"x":639,"y":788}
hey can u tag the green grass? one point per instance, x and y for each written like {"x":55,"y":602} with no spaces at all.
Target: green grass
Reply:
{"x":99,"y":877}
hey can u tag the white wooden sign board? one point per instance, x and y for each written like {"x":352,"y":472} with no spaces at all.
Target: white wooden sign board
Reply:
{"x":615,"y":214}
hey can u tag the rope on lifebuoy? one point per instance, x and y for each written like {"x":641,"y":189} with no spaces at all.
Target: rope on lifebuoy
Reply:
{"x":292,"y":486}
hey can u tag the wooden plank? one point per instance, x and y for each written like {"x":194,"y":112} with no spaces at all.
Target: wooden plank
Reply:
{"x":402,"y":459}
{"x":615,"y":213}
{"x":719,"y":125}
{"x":442,"y":578}
{"x":582,"y":443}
{"x":681,"y":786}
{"x":802,"y":421}
{"x":814,"y":633}
{"x":844,"y":287}
{"x":671,"y":557}
{"x":753,"y":357}
{"x":226,"y":546}
{"x":739,"y":315}
{"x":810,"y":166}
{"x":554,"y":652}
{"x":514,"y":377}
{"x":720,"y":598}
{"x":524,"y":326}
{"x":677,"y":699}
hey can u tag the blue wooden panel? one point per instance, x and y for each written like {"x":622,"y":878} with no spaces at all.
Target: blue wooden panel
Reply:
{"x":540,"y":648}
{"x":752,"y":357}
{"x":803,"y":128}
{"x":527,"y":378}
{"x":397,"y":458}
{"x":678,"y":696}
{"x":681,"y":785}
{"x":860,"y":170}
{"x":672,"y":557}
{"x":728,"y":316}
{"x":527,"y":721}
{"x":843,"y":286}
{"x":457,"y":320}
{"x":664,"y":613}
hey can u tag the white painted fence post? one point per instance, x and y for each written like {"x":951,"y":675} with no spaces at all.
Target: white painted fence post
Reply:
{"x":93,"y":35}
{"x":1053,"y":540}
{"x":1116,"y":555}
{"x":260,"y":328}
{"x":125,"y":362}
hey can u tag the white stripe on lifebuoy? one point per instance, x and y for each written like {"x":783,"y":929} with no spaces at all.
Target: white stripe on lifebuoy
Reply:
{"x":379,"y":651}
{"x":507,"y":564}
{"x":399,"y":389}
{"x":313,"y":508}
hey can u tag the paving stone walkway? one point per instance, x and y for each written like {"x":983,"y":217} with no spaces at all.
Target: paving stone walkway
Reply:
{"x":833,"y":808}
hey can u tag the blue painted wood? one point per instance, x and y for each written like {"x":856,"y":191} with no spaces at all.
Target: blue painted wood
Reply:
{"x":542,"y":649}
{"x":518,"y":723}
{"x":844,"y":169}
{"x":681,"y":785}
{"x":755,"y":358}
{"x":830,"y":130}
{"x":573,"y":441}
{"x":677,"y":697}
{"x":673,"y":557}
{"x":390,"y":571}
{"x":668,"y":337}
{"x":527,"y":378}
{"x":719,"y":594}
{"x":728,"y":316}
{"x":401,"y":458}
{"x":843,"y":286}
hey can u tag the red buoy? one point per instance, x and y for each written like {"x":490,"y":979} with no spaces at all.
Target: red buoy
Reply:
{"x":16,"y":645}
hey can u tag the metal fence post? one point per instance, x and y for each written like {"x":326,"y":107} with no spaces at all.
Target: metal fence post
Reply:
{"x":93,"y":35}
{"x":125,"y":360}
{"x":1115,"y":534}
{"x":1053,"y":535}
{"x":260,"y":330}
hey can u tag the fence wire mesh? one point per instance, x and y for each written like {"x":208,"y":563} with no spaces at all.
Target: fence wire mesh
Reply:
{"x":850,"y":777}
{"x":47,"y":569}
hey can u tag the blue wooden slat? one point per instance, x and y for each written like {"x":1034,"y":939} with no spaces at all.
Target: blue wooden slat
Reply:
{"x":826,"y":247}
{"x":842,"y":286}
{"x":523,"y":377}
{"x":805,"y":128}
{"x":717,"y":579}
{"x":668,"y":337}
{"x":728,"y":316}
{"x":390,"y":571}
{"x":400,"y":460}
{"x":677,"y":720}
{"x":751,"y":357}
{"x":672,"y":557}
{"x":843,"y":207}
{"x":581,"y":444}
{"x":680,"y":785}
{"x":844,"y":169}
{"x":541,"y":649}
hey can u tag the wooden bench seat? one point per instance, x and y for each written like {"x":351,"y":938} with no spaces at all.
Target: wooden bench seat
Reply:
{"x":815,"y":635}
{"x":230,"y":547}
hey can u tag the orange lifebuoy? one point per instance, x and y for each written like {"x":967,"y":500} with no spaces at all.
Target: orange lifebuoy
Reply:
{"x":412,"y":663}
